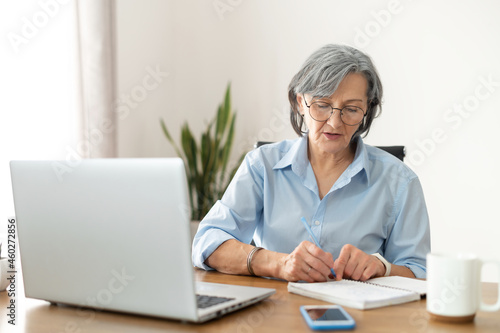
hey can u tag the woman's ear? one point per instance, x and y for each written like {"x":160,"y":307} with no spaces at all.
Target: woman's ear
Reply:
{"x":300,"y":104}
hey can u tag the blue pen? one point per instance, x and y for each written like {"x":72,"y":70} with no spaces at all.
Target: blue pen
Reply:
{"x":310,"y":232}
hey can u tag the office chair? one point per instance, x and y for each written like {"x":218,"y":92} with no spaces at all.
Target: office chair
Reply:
{"x":398,"y":151}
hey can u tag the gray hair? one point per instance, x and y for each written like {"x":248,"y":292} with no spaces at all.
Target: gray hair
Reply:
{"x":321,"y":75}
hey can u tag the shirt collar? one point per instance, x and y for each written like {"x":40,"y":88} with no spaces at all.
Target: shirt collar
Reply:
{"x":360,"y":161}
{"x":296,"y":157}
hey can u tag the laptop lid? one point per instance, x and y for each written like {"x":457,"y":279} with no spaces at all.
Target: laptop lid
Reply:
{"x":113,"y":234}
{"x":106,"y":233}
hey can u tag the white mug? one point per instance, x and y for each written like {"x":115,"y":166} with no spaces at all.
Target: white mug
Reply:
{"x":4,"y":265}
{"x":454,"y":287}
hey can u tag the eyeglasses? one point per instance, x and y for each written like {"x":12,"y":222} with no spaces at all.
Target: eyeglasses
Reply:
{"x":350,"y":115}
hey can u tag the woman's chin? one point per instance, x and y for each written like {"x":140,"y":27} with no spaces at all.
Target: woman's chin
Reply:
{"x":334,"y":148}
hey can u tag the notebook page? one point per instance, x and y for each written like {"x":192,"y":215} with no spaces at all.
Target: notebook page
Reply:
{"x":353,"y":293}
{"x":418,"y":286}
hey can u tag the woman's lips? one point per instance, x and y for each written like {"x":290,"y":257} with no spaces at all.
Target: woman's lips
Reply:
{"x":332,"y":136}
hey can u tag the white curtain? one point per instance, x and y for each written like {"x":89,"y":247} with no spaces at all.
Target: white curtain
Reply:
{"x":96,"y":41}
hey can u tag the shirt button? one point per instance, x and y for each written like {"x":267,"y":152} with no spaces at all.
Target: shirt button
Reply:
{"x":317,"y":222}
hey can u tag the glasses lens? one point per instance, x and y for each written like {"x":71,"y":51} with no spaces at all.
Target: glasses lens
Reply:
{"x":320,"y":111}
{"x":352,"y":115}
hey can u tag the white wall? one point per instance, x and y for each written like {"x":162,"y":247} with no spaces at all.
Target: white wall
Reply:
{"x":433,"y":57}
{"x":37,"y":79}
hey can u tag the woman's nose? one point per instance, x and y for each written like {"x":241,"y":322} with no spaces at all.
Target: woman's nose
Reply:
{"x":335,"y":119}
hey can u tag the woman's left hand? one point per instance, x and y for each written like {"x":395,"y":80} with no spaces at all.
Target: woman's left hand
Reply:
{"x":355,"y":264}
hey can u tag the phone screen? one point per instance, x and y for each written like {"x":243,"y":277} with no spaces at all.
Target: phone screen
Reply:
{"x":319,"y":314}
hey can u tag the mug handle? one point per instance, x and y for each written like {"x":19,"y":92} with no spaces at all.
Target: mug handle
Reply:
{"x":491,"y":307}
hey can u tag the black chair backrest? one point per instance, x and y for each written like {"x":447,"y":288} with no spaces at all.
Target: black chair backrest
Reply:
{"x":398,"y":151}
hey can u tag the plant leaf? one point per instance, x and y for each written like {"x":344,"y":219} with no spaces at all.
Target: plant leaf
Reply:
{"x":223,"y":115}
{"x":207,"y":156}
{"x":226,"y":150}
{"x":189,"y":171}
{"x":190,"y":149}
{"x":206,"y":165}
{"x":169,"y":138}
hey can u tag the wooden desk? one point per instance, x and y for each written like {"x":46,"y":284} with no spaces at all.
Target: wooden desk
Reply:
{"x":280,"y":313}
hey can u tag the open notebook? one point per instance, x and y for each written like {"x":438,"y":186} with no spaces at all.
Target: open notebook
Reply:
{"x":370,"y":294}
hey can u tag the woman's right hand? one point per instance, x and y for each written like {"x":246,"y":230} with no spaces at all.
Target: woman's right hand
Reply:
{"x":307,"y":263}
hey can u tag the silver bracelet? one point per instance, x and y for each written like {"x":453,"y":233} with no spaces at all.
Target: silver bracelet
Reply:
{"x":249,"y":259}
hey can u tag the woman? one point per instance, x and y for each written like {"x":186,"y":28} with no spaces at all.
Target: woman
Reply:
{"x":365,"y":207}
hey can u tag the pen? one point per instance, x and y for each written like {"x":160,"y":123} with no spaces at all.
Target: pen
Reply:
{"x":310,"y":232}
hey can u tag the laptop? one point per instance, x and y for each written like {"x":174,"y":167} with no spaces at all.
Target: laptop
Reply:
{"x":113,"y":234}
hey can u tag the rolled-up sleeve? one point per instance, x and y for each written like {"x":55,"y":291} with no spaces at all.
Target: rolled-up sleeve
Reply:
{"x":409,"y":240}
{"x":235,"y":216}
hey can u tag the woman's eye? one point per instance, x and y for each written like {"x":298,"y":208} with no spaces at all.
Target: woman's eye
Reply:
{"x":322,"y":106}
{"x":351,"y":109}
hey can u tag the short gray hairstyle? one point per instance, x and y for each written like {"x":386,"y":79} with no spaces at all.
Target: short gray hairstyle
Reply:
{"x":321,"y":75}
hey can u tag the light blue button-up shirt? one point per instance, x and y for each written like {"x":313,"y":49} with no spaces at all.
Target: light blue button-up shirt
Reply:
{"x":377,"y":205}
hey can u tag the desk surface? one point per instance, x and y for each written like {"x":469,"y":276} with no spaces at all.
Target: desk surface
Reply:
{"x":279,"y":313}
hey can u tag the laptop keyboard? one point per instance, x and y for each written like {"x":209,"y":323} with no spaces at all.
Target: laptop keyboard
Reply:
{"x":205,"y":301}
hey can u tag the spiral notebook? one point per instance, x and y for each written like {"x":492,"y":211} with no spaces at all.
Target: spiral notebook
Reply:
{"x":370,"y":294}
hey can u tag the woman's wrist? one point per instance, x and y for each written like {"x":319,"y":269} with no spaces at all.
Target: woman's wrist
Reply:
{"x":265,"y":263}
{"x":385,"y":269}
{"x":250,"y":257}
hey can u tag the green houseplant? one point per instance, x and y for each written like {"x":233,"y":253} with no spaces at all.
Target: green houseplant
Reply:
{"x":207,"y":160}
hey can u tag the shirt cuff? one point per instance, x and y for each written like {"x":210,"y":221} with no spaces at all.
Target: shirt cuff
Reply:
{"x":419,"y":272}
{"x":206,"y":244}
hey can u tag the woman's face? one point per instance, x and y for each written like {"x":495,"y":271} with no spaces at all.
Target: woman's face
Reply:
{"x":333,"y":136}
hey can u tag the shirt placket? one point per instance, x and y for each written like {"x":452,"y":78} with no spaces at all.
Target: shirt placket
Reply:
{"x":317,"y":220}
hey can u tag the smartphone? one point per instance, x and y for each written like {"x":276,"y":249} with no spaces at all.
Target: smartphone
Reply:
{"x":327,"y":317}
